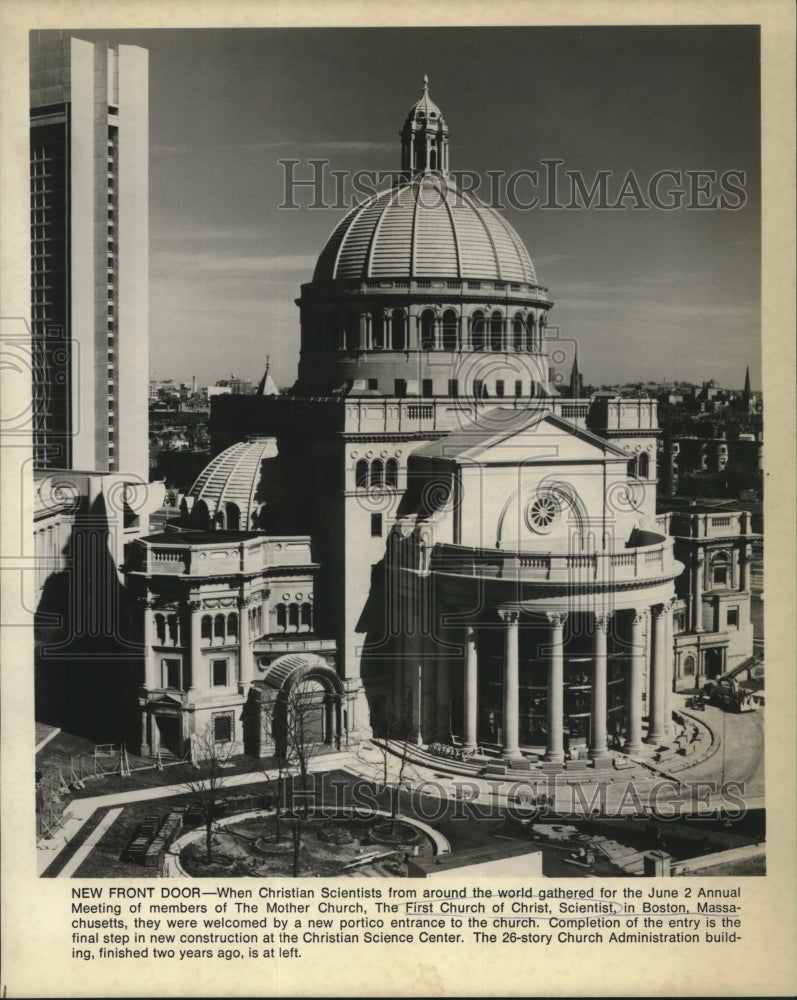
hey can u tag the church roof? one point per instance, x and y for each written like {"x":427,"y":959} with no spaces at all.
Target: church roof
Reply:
{"x":238,"y":476}
{"x":424,"y":228}
{"x":464,"y":446}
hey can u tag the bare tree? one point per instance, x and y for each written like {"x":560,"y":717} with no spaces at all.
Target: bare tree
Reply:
{"x":300,"y":738}
{"x":206,"y":777}
{"x":395,"y":724}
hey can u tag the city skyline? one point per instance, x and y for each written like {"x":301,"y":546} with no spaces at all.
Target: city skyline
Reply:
{"x":227,"y":262}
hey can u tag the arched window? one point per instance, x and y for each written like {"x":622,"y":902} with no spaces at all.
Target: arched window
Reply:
{"x":450,"y":331}
{"x":632,"y":469}
{"x":376,"y":472}
{"x":378,"y":331}
{"x":232,"y":517}
{"x":477,"y":331}
{"x":361,"y":474}
{"x":281,"y":618}
{"x":721,"y":570}
{"x":218,"y":627}
{"x":207,"y":628}
{"x":643,"y":465}
{"x":530,"y":325}
{"x":427,"y":330}
{"x":201,"y":515}
{"x":518,"y":331}
{"x":307,"y":616}
{"x":391,"y":473}
{"x":399,"y":330}
{"x":160,"y":629}
{"x":497,"y":332}
{"x":689,"y":666}
{"x":232,"y":626}
{"x":293,"y":616}
{"x":173,"y":626}
{"x":351,"y":334}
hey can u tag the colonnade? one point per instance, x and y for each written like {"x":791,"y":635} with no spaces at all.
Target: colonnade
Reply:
{"x":437,"y":330}
{"x":645,"y":635}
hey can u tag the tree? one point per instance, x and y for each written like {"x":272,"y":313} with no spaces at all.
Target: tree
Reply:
{"x":299,"y":739}
{"x":203,"y":783}
{"x":395,"y":723}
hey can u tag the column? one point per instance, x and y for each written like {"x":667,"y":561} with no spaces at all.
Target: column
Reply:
{"x":150,"y":667}
{"x":744,"y":559}
{"x":511,"y":749}
{"x":636,"y":670}
{"x":656,"y":732}
{"x":598,"y":749}
{"x":245,"y":658}
{"x":669,"y":659}
{"x":365,"y":332}
{"x":144,"y":742}
{"x":697,"y":593}
{"x":195,"y":668}
{"x":555,"y":749}
{"x":471,"y":689}
{"x":416,"y":687}
{"x":443,"y":697}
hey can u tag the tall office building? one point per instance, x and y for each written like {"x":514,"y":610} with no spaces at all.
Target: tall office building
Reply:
{"x":89,"y":222}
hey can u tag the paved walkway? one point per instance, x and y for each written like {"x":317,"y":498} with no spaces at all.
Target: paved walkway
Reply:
{"x":584,"y":790}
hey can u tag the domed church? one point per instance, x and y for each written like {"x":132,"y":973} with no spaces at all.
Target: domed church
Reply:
{"x":422,"y":525}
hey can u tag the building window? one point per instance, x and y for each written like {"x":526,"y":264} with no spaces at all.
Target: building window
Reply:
{"x":361,"y":474}
{"x":428,"y":387}
{"x":689,"y":666}
{"x":281,"y":617}
{"x":400,"y":387}
{"x":160,"y":629}
{"x":376,"y":525}
{"x":232,"y":626}
{"x":376,"y":472}
{"x":391,"y":473}
{"x":307,"y":615}
{"x":373,"y":383}
{"x":218,"y":627}
{"x":518,"y":387}
{"x":479,"y":389}
{"x":218,"y":670}
{"x":207,"y":628}
{"x":732,"y":618}
{"x":293,"y":616}
{"x":223,"y":727}
{"x":427,"y":330}
{"x":499,"y":387}
{"x":453,"y":388}
{"x":643,"y":466}
{"x":170,"y":670}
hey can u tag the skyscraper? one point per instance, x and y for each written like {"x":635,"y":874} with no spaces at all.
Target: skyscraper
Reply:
{"x":89,"y":225}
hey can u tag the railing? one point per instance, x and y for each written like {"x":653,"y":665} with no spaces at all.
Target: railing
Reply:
{"x":647,"y":562}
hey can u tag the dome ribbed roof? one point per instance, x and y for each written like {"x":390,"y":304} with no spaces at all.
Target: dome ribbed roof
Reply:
{"x":425,"y":107}
{"x":424,"y":228}
{"x":238,"y":476}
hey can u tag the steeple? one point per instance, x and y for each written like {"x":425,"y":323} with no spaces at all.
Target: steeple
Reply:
{"x":424,"y":137}
{"x":575,"y":379}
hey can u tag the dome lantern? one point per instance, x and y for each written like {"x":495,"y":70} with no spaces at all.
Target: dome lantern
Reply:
{"x":424,"y":137}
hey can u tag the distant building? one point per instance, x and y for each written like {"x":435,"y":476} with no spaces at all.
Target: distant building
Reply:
{"x":712,"y":630}
{"x":89,"y":201}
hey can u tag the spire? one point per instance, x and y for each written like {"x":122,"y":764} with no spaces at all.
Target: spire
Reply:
{"x":747,"y":391}
{"x":267,"y":386}
{"x":575,"y":379}
{"x":424,"y":137}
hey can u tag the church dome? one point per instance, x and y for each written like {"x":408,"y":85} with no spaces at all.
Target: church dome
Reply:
{"x":232,"y":490}
{"x":425,"y":227}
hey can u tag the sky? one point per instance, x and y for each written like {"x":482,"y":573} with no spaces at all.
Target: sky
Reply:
{"x":645,"y":293}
